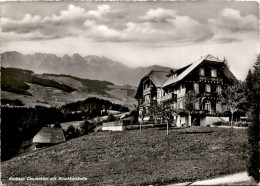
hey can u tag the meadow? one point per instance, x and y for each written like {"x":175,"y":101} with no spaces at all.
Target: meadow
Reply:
{"x":136,"y":157}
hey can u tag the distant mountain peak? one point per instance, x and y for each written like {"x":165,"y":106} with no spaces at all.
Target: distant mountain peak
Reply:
{"x":76,"y":55}
{"x":66,"y":56}
{"x":90,"y":67}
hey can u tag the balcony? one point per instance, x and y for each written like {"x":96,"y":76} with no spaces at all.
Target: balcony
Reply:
{"x":202,"y":112}
{"x":170,"y":96}
{"x":209,"y":94}
{"x":147,"y":91}
{"x":217,"y":79}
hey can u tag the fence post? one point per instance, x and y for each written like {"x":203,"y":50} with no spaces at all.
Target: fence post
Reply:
{"x":167,"y":127}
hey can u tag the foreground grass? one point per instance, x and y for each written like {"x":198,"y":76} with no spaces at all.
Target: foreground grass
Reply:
{"x":136,"y":158}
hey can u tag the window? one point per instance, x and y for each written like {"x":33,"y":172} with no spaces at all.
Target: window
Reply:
{"x":163,"y":93}
{"x":207,"y":88}
{"x":181,"y":104}
{"x":202,"y":72}
{"x":219,"y":90}
{"x":213,"y":73}
{"x":207,"y":105}
{"x":196,"y":87}
{"x":197,"y":105}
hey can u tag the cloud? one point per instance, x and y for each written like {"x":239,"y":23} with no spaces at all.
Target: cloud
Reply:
{"x":158,"y":15}
{"x":165,"y":25}
{"x":100,"y":12}
{"x":230,"y":25}
{"x":101,"y":32}
{"x":25,"y":25}
{"x":159,"y":26}
{"x":69,"y":22}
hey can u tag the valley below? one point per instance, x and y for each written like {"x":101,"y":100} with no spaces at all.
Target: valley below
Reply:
{"x":53,"y":96}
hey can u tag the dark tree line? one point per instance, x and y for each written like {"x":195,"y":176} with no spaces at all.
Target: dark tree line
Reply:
{"x":20,"y":124}
{"x":252,"y":96}
{"x":92,"y":105}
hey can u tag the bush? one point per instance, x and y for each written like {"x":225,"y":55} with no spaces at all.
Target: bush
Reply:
{"x":57,"y":125}
{"x":124,"y":109}
{"x":111,"y":118}
{"x":219,"y":123}
{"x":241,"y":124}
{"x":15,"y":102}
{"x":86,"y":127}
{"x":134,"y":113}
{"x":72,"y":132}
{"x":196,"y":122}
{"x":253,"y":160}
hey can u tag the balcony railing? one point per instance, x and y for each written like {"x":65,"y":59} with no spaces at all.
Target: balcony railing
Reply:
{"x":170,"y":96}
{"x":200,"y":112}
{"x":209,"y":94}
{"x":217,"y":79}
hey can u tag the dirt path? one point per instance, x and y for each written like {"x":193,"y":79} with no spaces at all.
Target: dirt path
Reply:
{"x":234,"y":179}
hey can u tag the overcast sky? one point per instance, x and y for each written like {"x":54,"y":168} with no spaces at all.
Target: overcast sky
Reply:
{"x":136,"y":33}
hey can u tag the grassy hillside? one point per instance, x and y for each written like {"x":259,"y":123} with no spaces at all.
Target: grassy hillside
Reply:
{"x":56,"y":90}
{"x":136,"y":158}
{"x":15,"y":80}
{"x":28,"y":121}
{"x":97,"y":86}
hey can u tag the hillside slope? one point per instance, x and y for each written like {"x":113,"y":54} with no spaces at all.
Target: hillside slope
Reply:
{"x":55,"y":90}
{"x":90,"y":67}
{"x":135,"y":158}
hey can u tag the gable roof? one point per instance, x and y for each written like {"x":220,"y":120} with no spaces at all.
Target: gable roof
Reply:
{"x":49,"y":135}
{"x":161,"y":78}
{"x":157,"y":77}
{"x":180,"y":70}
{"x":190,"y":68}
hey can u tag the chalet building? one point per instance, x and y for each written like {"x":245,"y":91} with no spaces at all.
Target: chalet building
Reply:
{"x":206,"y":77}
{"x":48,"y":136}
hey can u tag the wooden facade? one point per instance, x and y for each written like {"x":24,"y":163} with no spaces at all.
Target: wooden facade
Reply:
{"x":207,"y":77}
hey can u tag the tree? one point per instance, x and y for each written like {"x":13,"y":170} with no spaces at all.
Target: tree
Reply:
{"x":124,"y":109}
{"x":225,"y":62}
{"x":72,"y":132}
{"x":190,"y":101}
{"x":167,"y":113}
{"x":104,"y":110}
{"x":86,"y":127}
{"x":252,"y":96}
{"x":134,"y":113}
{"x":162,"y":112}
{"x":232,"y":98}
{"x":111,"y":118}
{"x":57,"y":125}
{"x":142,"y":114}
